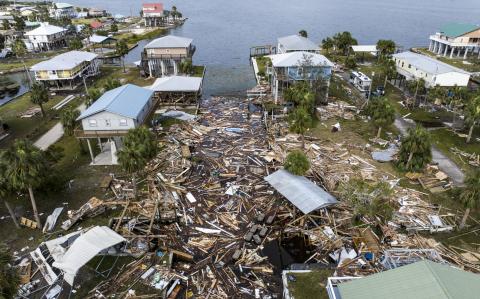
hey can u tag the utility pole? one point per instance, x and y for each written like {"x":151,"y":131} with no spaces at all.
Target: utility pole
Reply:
{"x":370,"y":89}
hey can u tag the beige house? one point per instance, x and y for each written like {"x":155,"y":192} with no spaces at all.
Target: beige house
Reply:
{"x":163,"y":56}
{"x":456,"y":40}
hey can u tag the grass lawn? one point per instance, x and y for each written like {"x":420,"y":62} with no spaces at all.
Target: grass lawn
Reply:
{"x":31,"y":128}
{"x":310,"y":285}
{"x":132,"y":39}
{"x":198,"y":70}
{"x":262,"y":63}
{"x":132,"y":75}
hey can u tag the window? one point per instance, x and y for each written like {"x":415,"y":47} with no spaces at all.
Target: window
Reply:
{"x":92,"y":123}
{"x":409,"y":66}
{"x":107,"y":123}
{"x":123,"y":122}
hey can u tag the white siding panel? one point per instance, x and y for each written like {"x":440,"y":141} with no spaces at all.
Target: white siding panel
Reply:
{"x":102,"y":119}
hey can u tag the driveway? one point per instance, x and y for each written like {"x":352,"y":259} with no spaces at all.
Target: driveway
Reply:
{"x":444,"y":163}
{"x":54,"y":134}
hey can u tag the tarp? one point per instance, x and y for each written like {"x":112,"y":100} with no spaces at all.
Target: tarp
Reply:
{"x":86,"y":247}
{"x":301,"y":192}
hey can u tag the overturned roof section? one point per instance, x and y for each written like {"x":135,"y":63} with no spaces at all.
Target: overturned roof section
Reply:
{"x":297,"y":43}
{"x":170,"y":41}
{"x":127,"y":100}
{"x":424,"y":279}
{"x":177,"y":84}
{"x":84,"y":248}
{"x":428,"y":64}
{"x":65,"y":61}
{"x":301,"y":192}
{"x":297,"y":58}
{"x":45,"y":29}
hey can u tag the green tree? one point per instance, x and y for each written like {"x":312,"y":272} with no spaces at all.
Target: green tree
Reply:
{"x":75,"y":44}
{"x":344,"y":41}
{"x":122,"y":50}
{"x":111,"y":84}
{"x":350,"y":62}
{"x":370,"y":200}
{"x":385,"y":48}
{"x":26,"y":166}
{"x":470,"y":195}
{"x":415,"y":150}
{"x":300,"y":120}
{"x":9,"y":280}
{"x":139,"y":146}
{"x":5,"y":190}
{"x":388,"y":69}
{"x":19,"y":23}
{"x":297,"y":163}
{"x":39,"y":96}
{"x":114,"y":28}
{"x":20,"y":51}
{"x":93,"y":95}
{"x":435,"y":93}
{"x":186,"y":66}
{"x":68,"y":118}
{"x":381,"y":112}
{"x":472,"y":115}
{"x":328,"y":44}
{"x":5,"y":25}
{"x":2,"y":41}
{"x":303,"y":33}
{"x":87,"y":30}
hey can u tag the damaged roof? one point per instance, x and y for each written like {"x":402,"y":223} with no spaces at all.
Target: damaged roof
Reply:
{"x":300,"y":191}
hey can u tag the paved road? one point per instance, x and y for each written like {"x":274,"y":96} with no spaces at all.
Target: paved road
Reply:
{"x":444,"y":163}
{"x":54,"y":134}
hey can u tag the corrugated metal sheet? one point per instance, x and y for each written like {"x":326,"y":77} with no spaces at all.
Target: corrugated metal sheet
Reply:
{"x":127,"y":100}
{"x":170,"y":41}
{"x":301,"y":192}
{"x":65,"y":61}
{"x":427,"y":64}
{"x":177,"y":84}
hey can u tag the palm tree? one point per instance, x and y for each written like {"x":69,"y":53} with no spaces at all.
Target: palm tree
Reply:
{"x":122,"y":50}
{"x":93,"y":95}
{"x":344,"y":41}
{"x":470,"y":195}
{"x":472,"y":115}
{"x":303,"y":33}
{"x":327,"y":44}
{"x":388,"y":69}
{"x":112,"y":84}
{"x":39,"y":96}
{"x":4,"y":191}
{"x":415,"y":150}
{"x":9,"y":279}
{"x":381,"y":112}
{"x":20,"y":51}
{"x":26,"y":166}
{"x":297,"y":163}
{"x":385,"y":48}
{"x":139,"y":146}
{"x":186,"y":66}
{"x":68,"y":118}
{"x":300,"y":121}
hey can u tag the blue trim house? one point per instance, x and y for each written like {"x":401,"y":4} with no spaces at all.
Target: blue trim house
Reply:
{"x":110,"y":117}
{"x":288,"y":68}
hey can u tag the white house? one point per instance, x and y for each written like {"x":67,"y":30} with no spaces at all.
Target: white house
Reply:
{"x":112,"y":115}
{"x":62,"y":10}
{"x":456,"y":40}
{"x":46,"y":37}
{"x":293,"y":43}
{"x":434,"y":72}
{"x":66,"y":71}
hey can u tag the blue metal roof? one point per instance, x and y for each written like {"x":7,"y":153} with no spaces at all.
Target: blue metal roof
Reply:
{"x":127,"y":100}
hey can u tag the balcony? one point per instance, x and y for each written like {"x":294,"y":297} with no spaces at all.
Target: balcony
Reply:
{"x":99,"y":134}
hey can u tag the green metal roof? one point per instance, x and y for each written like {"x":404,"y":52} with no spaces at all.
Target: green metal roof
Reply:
{"x":420,"y":280}
{"x":457,"y":29}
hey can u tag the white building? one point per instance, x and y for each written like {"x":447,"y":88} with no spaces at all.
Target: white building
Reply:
{"x":110,"y":117}
{"x":46,"y":37}
{"x":62,"y":10}
{"x":67,"y":71}
{"x":294,"y":43}
{"x":456,"y":40}
{"x":434,"y":72}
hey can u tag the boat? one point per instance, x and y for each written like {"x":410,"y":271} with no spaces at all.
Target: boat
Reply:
{"x":13,"y":86}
